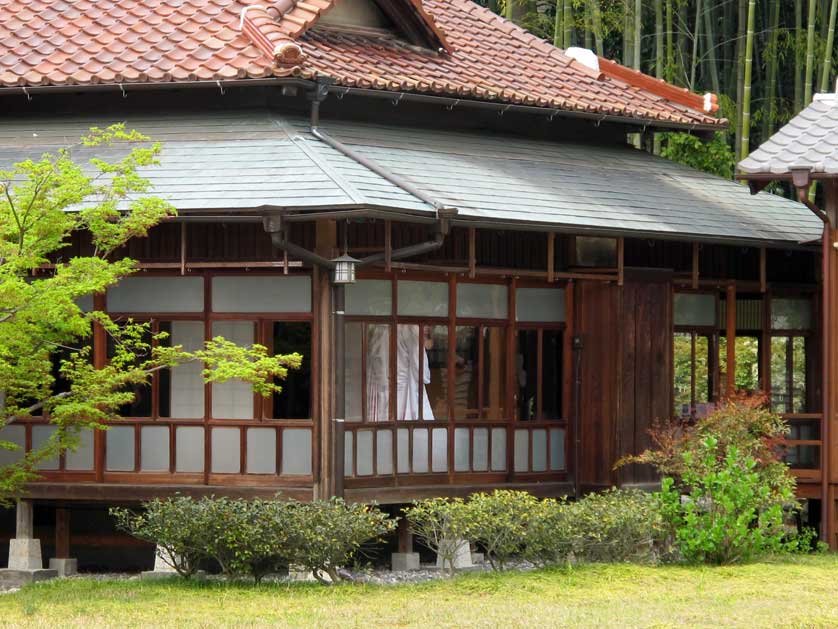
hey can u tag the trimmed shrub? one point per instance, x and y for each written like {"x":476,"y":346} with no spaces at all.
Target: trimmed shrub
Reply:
{"x":326,"y":534}
{"x":499,"y":522}
{"x":439,"y":523}
{"x":174,"y":525}
{"x":245,"y":537}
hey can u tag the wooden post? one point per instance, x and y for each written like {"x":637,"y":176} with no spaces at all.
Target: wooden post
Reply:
{"x":24,"y":528}
{"x":695,"y":266}
{"x":62,"y":533}
{"x":730,"y":334}
{"x":621,"y":256}
{"x":551,"y":256}
{"x":388,"y":246}
{"x":325,"y":245}
{"x":763,"y":275}
{"x":183,"y":248}
{"x":405,"y":536}
{"x":472,"y":252}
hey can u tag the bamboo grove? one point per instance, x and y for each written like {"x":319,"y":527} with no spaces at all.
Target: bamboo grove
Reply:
{"x":765,"y":59}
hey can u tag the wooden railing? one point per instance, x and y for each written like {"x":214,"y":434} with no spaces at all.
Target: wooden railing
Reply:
{"x":241,"y":452}
{"x":462,"y":450}
{"x":805,"y":444}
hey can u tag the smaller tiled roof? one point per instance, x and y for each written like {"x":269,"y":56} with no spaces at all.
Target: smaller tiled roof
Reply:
{"x":809,"y":140}
{"x":480,"y":55}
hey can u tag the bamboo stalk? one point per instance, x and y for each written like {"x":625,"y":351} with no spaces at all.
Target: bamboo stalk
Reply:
{"x":830,"y":39}
{"x":746,"y":86}
{"x":810,"y":53}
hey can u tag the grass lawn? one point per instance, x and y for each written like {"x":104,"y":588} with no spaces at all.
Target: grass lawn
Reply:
{"x":798,"y":592}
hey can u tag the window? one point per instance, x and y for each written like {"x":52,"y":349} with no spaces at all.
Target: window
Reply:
{"x":791,"y":320}
{"x":538,"y":374}
{"x":480,"y":373}
{"x":596,"y":252}
{"x":695,"y":337}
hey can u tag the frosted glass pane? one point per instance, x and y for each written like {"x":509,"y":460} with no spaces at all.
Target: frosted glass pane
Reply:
{"x":81,"y":459}
{"x":439,"y":462}
{"x":157,"y":294}
{"x":261,"y":451}
{"x":540,"y":304}
{"x":423,"y":299}
{"x":119,"y":449}
{"x":420,"y":451}
{"x":154,"y":449}
{"x":694,"y":309}
{"x":498,"y":449}
{"x":557,"y":449}
{"x":461,"y":450}
{"x":233,"y":399}
{"x":369,"y":297}
{"x":348,"y":463}
{"x":521,"y":451}
{"x":480,"y":461}
{"x":40,"y":435}
{"x":384,"y":451}
{"x":187,"y":401}
{"x":226,"y":450}
{"x":364,"y":446}
{"x":296,"y":451}
{"x":791,"y":314}
{"x":261,"y":293}
{"x":402,"y":444}
{"x":482,"y":300}
{"x":16,"y":435}
{"x":539,"y":450}
{"x":189,"y":449}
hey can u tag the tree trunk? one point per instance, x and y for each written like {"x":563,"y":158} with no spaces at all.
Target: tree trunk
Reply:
{"x":596,"y":24}
{"x":656,"y":146}
{"x":827,"y":55}
{"x":746,"y":86}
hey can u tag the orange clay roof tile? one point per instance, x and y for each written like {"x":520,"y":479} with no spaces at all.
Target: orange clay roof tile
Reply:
{"x":81,"y":42}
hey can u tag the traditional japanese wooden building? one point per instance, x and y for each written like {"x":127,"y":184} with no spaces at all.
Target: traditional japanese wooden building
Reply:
{"x":531,"y":292}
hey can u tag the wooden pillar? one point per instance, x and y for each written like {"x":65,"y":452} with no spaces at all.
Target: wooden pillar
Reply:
{"x":730,"y":334}
{"x":325,"y":245}
{"x":829,"y":366}
{"x":62,"y":533}
{"x":405,"y":536}
{"x":24,"y":528}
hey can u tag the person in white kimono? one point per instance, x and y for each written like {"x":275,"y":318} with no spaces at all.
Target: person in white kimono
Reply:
{"x":378,"y":368}
{"x":407,"y":375}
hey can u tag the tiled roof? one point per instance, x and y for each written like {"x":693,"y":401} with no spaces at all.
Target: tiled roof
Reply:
{"x":83,"y":42}
{"x":810,"y":139}
{"x":243,"y":160}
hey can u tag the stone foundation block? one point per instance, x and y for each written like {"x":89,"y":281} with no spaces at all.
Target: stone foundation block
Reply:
{"x":64,"y":567}
{"x":478,"y":559}
{"x":25,"y":554}
{"x":462,"y":554}
{"x":16,"y":578}
{"x":401,"y":562}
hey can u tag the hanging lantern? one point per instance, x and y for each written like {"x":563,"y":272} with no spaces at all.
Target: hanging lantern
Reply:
{"x":344,"y":272}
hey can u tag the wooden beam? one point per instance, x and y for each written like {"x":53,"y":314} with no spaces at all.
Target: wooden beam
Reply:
{"x":695,"y":266}
{"x":472,"y":252}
